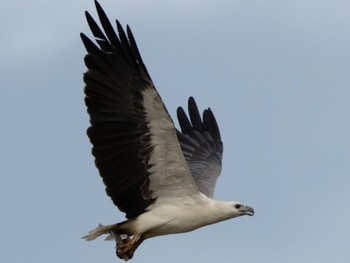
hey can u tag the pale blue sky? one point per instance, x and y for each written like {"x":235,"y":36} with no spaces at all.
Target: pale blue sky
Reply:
{"x":275,"y":73}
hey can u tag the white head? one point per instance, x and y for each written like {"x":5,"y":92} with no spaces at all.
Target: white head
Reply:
{"x":231,"y":209}
{"x":241,"y":210}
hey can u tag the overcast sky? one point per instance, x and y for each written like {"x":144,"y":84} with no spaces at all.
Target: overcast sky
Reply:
{"x":276,"y":75}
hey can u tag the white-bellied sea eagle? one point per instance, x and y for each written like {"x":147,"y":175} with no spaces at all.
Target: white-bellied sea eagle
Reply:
{"x":163,"y":179}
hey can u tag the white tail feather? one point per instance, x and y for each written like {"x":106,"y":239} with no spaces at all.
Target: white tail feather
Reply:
{"x":101,"y":230}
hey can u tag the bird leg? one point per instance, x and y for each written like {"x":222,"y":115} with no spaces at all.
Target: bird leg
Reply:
{"x":116,"y":236}
{"x":126,"y":248}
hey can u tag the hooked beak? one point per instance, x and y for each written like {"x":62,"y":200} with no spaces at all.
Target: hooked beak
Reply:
{"x":247,"y":210}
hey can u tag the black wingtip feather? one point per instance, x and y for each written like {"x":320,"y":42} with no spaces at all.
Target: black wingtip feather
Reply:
{"x":195,"y":122}
{"x":195,"y":116}
{"x":100,"y":37}
{"x":136,"y":52}
{"x":98,"y":6}
{"x":107,"y":26}
{"x":133,"y":44}
{"x":185,"y":124}
{"x":96,"y":31}
{"x":90,"y":46}
{"x":210,"y":124}
{"x":122,"y":34}
{"x":129,"y":55}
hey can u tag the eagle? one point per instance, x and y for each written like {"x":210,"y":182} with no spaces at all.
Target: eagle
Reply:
{"x":161,"y":177}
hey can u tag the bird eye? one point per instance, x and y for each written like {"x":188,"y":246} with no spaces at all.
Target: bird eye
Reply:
{"x":238,"y":206}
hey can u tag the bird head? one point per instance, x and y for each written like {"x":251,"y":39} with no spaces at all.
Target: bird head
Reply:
{"x":242,"y":210}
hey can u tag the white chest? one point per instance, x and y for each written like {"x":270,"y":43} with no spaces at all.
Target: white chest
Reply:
{"x":172,"y":219}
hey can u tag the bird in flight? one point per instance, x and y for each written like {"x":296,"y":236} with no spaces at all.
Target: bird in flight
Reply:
{"x":162,"y":178}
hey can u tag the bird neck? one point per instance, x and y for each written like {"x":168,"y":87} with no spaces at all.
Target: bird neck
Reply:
{"x":223,"y":210}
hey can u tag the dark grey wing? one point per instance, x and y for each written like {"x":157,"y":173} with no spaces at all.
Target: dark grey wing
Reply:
{"x":201,"y":145}
{"x":134,"y":140}
{"x":115,"y":81}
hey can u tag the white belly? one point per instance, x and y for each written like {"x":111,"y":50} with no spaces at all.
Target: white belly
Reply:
{"x":172,"y":219}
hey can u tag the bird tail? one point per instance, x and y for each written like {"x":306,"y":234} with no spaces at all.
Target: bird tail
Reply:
{"x":110,"y":230}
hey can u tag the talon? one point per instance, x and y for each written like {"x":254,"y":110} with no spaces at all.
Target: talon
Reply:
{"x":126,"y":248}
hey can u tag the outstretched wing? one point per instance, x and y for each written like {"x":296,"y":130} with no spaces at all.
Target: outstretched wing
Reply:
{"x":201,"y":145}
{"x":134,"y":141}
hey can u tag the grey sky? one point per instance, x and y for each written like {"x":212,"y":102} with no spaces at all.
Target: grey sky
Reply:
{"x":276,"y":75}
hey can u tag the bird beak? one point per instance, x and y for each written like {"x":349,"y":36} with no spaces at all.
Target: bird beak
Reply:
{"x":247,"y":210}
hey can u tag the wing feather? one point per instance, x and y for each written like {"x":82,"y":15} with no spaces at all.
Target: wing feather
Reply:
{"x":134,"y":141}
{"x":201,"y":145}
